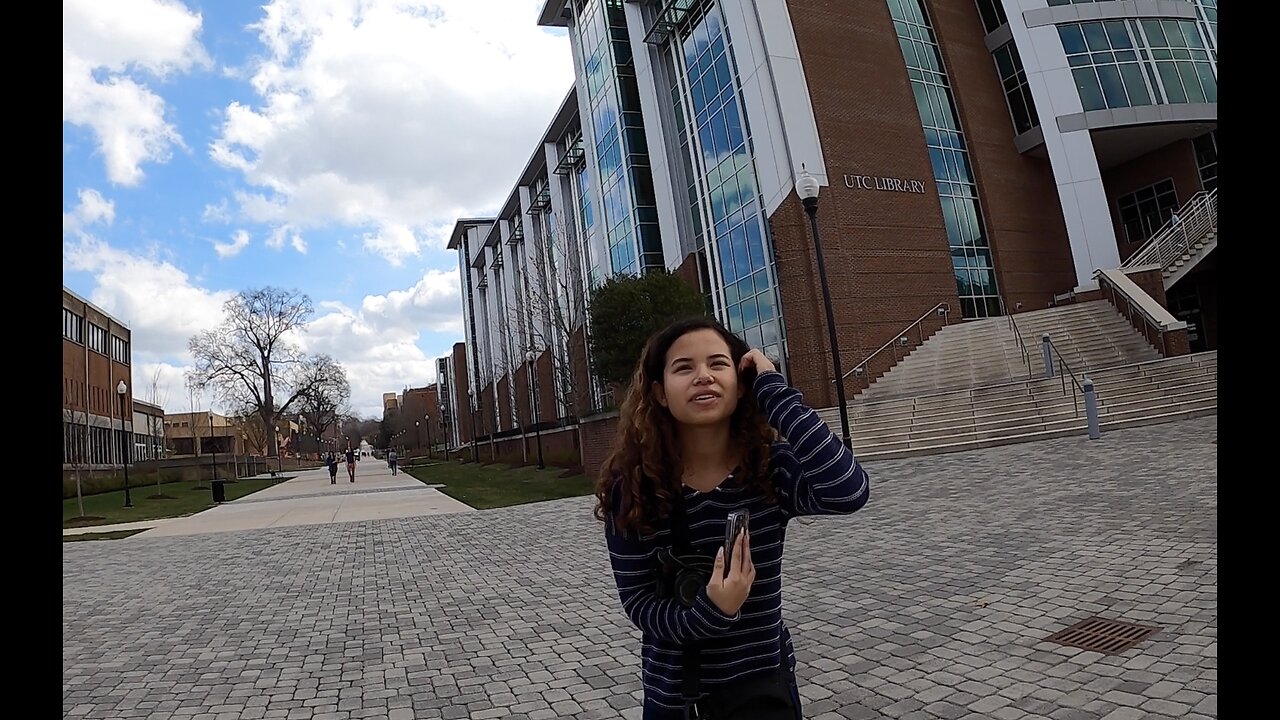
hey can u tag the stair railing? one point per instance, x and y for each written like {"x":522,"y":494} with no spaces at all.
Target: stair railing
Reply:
{"x":1017,"y":334}
{"x":1123,"y":293}
{"x":1186,"y":226}
{"x":900,"y":339}
{"x":1061,"y":362}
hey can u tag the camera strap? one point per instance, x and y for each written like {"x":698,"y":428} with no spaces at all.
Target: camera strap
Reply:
{"x":691,"y":652}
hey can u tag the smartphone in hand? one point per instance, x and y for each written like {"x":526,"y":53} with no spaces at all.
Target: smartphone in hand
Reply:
{"x":733,"y":525}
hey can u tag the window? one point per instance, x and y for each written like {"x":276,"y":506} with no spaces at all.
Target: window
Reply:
{"x":1144,"y":212}
{"x":992,"y":12}
{"x":97,"y":339}
{"x":1130,"y":63}
{"x":1016,"y":90}
{"x":722,"y":188}
{"x":1206,"y":147}
{"x":119,"y":350}
{"x":72,"y":326}
{"x":957,"y":188}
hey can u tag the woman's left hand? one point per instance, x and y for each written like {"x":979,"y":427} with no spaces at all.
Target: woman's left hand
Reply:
{"x":756,"y":359}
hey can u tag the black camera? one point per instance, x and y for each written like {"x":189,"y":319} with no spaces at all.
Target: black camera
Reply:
{"x":681,"y":576}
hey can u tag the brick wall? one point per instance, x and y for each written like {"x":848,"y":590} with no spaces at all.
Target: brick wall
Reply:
{"x":886,"y":252}
{"x":461,"y":392}
{"x":1018,"y":195}
{"x":1176,"y":160}
{"x":598,"y":433}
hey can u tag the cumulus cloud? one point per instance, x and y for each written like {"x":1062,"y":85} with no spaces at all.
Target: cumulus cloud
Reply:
{"x":161,"y":304}
{"x":391,"y":116}
{"x":93,"y":209}
{"x":378,"y":343}
{"x":239,"y":241}
{"x":108,"y":50}
{"x":282,"y":234}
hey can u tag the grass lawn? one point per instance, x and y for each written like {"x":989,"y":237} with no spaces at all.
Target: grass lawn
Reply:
{"x":492,"y":486}
{"x":181,"y":498}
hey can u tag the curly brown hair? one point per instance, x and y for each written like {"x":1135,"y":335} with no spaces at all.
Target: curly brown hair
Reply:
{"x":645,"y":468}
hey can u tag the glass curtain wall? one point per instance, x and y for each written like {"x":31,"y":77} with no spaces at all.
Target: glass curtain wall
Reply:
{"x":723,"y":194}
{"x":957,"y":187}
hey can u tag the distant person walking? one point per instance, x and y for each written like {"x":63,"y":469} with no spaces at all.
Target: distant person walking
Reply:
{"x":351,"y":463}
{"x":391,"y":460}
{"x":331,"y":461}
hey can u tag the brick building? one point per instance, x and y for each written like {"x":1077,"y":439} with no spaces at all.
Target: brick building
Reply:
{"x":975,"y":158}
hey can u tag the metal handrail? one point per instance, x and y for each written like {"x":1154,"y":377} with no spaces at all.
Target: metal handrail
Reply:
{"x":1105,"y":284}
{"x":1063,"y":363}
{"x":946,"y":315}
{"x":1022,"y":344}
{"x":1190,"y":223}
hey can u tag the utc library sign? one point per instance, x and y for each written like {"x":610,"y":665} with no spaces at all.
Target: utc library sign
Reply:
{"x":886,"y":184}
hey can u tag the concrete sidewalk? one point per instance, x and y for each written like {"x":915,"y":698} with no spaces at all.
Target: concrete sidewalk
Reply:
{"x":307,"y":499}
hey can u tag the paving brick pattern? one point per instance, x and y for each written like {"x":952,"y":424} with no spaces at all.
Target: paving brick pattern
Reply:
{"x":932,"y":602}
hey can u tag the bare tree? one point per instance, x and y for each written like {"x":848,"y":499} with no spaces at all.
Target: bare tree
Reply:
{"x":155,"y":424}
{"x":324,"y":403}
{"x":249,"y":361}
{"x":75,"y":449}
{"x":554,"y":311}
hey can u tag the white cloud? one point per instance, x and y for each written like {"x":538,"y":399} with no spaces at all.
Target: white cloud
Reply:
{"x":378,"y":343}
{"x":160,"y":303}
{"x":391,"y":117}
{"x":239,"y":241}
{"x":393,"y":242}
{"x":103,"y":46}
{"x":93,"y":209}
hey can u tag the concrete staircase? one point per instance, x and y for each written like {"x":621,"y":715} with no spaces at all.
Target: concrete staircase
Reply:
{"x":976,"y":353}
{"x":968,"y":385}
{"x":1181,"y":265}
{"x":1025,"y":410}
{"x":1178,"y":246}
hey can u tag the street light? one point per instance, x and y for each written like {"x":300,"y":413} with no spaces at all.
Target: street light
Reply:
{"x":475,"y":457}
{"x":533,"y":403}
{"x":807,"y":189}
{"x":418,"y":434}
{"x":213,"y":447}
{"x":121,"y":390}
{"x":426,"y":419}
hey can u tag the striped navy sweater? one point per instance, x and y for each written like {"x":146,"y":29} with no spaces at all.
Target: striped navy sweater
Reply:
{"x":813,"y":473}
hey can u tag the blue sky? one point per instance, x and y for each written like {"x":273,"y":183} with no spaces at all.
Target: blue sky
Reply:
{"x":327,"y":146}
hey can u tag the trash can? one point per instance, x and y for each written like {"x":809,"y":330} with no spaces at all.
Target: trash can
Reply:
{"x":219,"y":491}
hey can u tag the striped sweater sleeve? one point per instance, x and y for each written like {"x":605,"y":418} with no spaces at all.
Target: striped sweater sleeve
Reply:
{"x":814,"y":472}
{"x":632,"y":559}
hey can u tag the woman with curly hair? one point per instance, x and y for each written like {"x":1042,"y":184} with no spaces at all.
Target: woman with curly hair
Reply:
{"x":708,"y":427}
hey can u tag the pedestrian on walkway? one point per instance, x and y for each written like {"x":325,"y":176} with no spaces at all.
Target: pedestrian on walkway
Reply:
{"x":708,"y":427}
{"x":332,"y":461}
{"x":351,"y":462}
{"x":391,"y":460}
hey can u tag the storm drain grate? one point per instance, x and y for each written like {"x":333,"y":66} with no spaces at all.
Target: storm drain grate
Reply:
{"x":1108,"y":637}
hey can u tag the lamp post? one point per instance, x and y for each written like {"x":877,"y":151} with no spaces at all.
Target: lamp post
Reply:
{"x":212,"y":448}
{"x":807,"y":189}
{"x":426,"y":420}
{"x":475,"y":457}
{"x":533,"y":404}
{"x":417,"y":432}
{"x":122,"y":390}
{"x":444,"y":429}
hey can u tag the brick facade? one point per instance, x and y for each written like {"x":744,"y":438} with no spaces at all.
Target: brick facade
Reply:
{"x":598,"y":434}
{"x":1176,"y":161}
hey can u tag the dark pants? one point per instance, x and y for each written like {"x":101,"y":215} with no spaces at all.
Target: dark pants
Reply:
{"x":656,"y":713}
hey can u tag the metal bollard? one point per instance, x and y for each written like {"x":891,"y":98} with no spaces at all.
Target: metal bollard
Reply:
{"x":1091,"y":409}
{"x":1048,"y":355}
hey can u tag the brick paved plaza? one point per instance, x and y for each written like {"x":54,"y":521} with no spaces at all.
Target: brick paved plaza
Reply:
{"x":932,"y":602}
